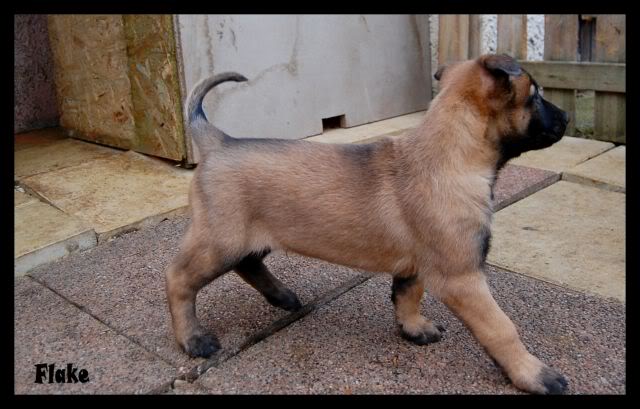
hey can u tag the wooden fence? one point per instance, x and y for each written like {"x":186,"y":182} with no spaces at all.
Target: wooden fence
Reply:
{"x":581,"y":52}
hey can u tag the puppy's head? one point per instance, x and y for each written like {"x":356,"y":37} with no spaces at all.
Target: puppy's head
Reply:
{"x":518,"y":118}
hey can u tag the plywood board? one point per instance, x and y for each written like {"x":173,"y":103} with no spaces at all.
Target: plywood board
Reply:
{"x":91,"y":71}
{"x":155,"y":87}
{"x":118,"y":82}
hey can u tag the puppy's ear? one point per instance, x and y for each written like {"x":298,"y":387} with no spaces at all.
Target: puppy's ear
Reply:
{"x":502,"y":65}
{"x":439,"y":73}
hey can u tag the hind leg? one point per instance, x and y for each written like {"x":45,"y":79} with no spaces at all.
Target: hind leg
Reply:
{"x":406,"y":294}
{"x":194,"y":267}
{"x":253,"y":271}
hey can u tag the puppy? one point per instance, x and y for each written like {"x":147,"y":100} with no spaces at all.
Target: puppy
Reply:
{"x":418,"y":207}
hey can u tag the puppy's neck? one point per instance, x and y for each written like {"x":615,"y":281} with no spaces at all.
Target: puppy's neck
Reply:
{"x":452,"y":136}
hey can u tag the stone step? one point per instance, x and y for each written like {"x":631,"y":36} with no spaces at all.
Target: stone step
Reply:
{"x":606,"y":171}
{"x":563,"y":155}
{"x":43,"y":234}
{"x":57,"y":154}
{"x":567,"y":234}
{"x":116,"y":194}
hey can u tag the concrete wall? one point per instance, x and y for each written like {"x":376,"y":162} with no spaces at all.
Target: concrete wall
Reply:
{"x":34,"y":88}
{"x":306,"y":68}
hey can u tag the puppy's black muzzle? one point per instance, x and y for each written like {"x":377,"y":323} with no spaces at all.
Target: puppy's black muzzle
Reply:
{"x":547,"y":126}
{"x":553,"y":121}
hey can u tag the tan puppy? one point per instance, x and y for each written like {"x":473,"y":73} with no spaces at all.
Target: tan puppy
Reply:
{"x":418,"y":207}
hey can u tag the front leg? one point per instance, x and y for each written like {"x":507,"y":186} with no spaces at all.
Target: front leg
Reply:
{"x":468,"y":297}
{"x":406,"y":294}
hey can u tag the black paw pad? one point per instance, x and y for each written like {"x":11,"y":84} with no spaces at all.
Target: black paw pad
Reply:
{"x":202,"y":346}
{"x":422,"y":338}
{"x":287,"y":300}
{"x":553,"y":381}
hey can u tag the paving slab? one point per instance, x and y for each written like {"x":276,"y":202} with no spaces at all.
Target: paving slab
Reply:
{"x":43,"y":233}
{"x":57,"y":155}
{"x":568,"y":234}
{"x":117,"y":193}
{"x":50,"y":330}
{"x":372,"y":131}
{"x":606,"y":171}
{"x":40,"y":137}
{"x":20,"y":198}
{"x":563,"y":155}
{"x":122,"y":282}
{"x":352,"y":346}
{"x":515,"y":182}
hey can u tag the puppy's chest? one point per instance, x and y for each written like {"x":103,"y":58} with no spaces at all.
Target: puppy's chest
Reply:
{"x":463,"y":201}
{"x":467,"y":192}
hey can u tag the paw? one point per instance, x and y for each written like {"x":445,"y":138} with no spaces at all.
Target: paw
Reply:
{"x":552,"y":381}
{"x":535,"y":377}
{"x":285,"y":299}
{"x":428,"y":334}
{"x":203,"y":345}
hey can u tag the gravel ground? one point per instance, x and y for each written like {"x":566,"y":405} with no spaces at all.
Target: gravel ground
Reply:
{"x":122,"y":283}
{"x":351,"y":346}
{"x":515,"y":182}
{"x":50,"y":330}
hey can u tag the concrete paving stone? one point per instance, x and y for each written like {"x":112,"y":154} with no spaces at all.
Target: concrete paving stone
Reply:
{"x":20,"y":199}
{"x":43,"y":233}
{"x":352,"y":346}
{"x":122,"y":282}
{"x":568,"y":234}
{"x":606,"y":171}
{"x":117,"y":193}
{"x":50,"y":330}
{"x":563,"y":155}
{"x":57,"y":155}
{"x":372,"y":131}
{"x":40,"y":137}
{"x":515,"y":182}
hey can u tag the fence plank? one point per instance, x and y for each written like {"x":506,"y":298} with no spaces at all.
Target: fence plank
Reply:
{"x":561,"y":37}
{"x":453,"y":34}
{"x":561,"y":44}
{"x":610,"y":38}
{"x":610,"y":113}
{"x":580,"y":76}
{"x":512,"y":35}
{"x":474,"y":36}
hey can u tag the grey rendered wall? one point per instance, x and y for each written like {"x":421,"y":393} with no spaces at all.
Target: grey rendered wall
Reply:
{"x":305,"y":68}
{"x":35,"y":104}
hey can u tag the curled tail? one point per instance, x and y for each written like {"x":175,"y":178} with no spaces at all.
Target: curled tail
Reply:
{"x":201,"y":130}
